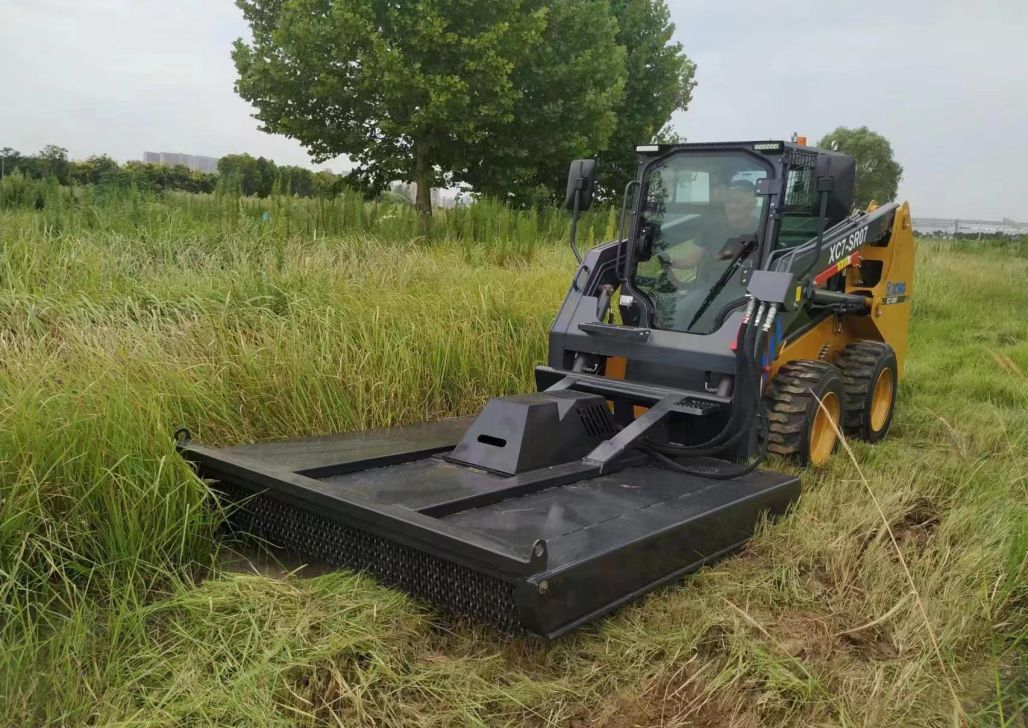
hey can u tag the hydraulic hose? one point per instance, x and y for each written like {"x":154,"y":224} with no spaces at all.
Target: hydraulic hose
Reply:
{"x":713,"y":474}
{"x":748,"y":391}
{"x":746,"y":380}
{"x":750,"y":401}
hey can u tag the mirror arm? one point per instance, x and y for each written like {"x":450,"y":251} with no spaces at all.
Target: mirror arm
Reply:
{"x":579,"y":197}
{"x":574,"y":223}
{"x":622,"y":261}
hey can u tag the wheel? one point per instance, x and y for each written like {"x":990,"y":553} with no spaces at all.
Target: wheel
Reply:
{"x":798,"y":426}
{"x":869,"y":373}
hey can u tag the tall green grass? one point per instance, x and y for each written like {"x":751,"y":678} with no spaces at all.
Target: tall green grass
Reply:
{"x":175,"y":219}
{"x":124,"y":318}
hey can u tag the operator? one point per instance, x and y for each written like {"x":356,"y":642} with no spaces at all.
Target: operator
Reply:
{"x":701,"y":253}
{"x":742,"y":216}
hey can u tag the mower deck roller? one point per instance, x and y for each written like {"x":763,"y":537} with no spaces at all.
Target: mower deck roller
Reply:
{"x":543,"y":550}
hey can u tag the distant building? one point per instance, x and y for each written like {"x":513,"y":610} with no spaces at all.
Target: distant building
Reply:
{"x":406,"y":189}
{"x":940,"y":226}
{"x":195,"y":162}
{"x":441,"y":197}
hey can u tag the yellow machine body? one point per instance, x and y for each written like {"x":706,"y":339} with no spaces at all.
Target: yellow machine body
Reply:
{"x":890,"y":303}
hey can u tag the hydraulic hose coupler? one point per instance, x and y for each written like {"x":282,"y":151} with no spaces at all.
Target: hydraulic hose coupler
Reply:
{"x":748,"y":313}
{"x":759,"y":316}
{"x":771,"y":313}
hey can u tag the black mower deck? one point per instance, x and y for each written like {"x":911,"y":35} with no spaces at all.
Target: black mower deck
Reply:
{"x":543,"y":550}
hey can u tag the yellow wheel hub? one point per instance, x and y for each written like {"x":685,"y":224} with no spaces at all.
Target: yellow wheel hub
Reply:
{"x":881,"y":400}
{"x":823,"y":435}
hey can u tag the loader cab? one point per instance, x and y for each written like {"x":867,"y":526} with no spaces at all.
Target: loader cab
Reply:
{"x":698,"y":228}
{"x":698,"y":220}
{"x":706,"y":215}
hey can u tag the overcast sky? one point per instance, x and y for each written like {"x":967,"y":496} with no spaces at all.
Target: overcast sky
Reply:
{"x":946,"y":82}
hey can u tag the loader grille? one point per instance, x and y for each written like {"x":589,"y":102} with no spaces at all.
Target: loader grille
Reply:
{"x":426,"y":577}
{"x":596,"y":420}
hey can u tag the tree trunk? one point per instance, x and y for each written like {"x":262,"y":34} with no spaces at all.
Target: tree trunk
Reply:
{"x":422,"y":178}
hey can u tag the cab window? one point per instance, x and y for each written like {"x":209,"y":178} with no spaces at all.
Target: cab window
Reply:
{"x":697,"y":208}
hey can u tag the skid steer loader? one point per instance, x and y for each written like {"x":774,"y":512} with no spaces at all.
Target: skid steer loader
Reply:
{"x":744,"y":310}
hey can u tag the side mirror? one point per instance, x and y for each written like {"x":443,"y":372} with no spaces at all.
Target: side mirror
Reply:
{"x":842,"y":168}
{"x":581,"y":178}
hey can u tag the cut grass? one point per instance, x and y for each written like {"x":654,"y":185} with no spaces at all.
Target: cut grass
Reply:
{"x":119,"y":324}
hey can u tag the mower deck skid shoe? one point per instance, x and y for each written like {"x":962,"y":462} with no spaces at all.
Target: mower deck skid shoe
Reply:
{"x":541,"y":550}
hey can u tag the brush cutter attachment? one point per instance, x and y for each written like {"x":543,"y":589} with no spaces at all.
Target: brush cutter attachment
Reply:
{"x":503,"y":517}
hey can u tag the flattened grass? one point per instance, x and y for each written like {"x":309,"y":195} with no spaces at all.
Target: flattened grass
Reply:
{"x":116,"y":612}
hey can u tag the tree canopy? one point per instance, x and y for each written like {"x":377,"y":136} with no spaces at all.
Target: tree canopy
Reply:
{"x":661,"y":79}
{"x":567,"y":91}
{"x":249,"y":175}
{"x":878,"y":174}
{"x":399,"y":87}
{"x":98,"y":169}
{"x":497,"y":95}
{"x":53,"y":162}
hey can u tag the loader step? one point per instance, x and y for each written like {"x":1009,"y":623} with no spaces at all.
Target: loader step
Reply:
{"x":543,"y":551}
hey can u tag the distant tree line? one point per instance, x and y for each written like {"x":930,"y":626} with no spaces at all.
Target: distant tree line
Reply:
{"x":258,"y":176}
{"x":878,"y":173}
{"x":237,"y":174}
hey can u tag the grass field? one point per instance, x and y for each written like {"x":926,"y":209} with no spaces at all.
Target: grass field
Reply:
{"x":123,"y":319}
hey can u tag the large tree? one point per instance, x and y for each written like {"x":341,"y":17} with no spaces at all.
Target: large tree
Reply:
{"x":878,"y":174}
{"x":401,"y":88}
{"x":661,"y":79}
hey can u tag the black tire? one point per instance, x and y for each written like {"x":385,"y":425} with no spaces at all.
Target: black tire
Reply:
{"x":792,"y":402}
{"x":865,"y":366}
